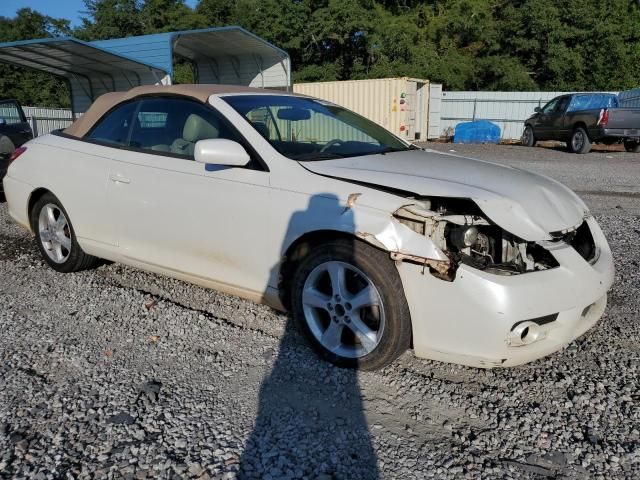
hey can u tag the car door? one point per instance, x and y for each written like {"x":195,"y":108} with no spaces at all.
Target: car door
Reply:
{"x":82,"y":182}
{"x":13,"y":123}
{"x":174,"y":213}
{"x":544,"y":125}
{"x":558,"y":127}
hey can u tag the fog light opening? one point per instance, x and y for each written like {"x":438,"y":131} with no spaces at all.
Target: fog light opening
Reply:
{"x":525,"y":333}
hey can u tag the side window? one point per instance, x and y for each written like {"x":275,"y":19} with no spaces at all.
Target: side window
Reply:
{"x":10,"y":112}
{"x":548,"y":108}
{"x":562,"y":105}
{"x":174,"y":125}
{"x":114,"y":127}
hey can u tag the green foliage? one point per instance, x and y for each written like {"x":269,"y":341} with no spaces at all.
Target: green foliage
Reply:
{"x":464,"y":44}
{"x":31,"y":87}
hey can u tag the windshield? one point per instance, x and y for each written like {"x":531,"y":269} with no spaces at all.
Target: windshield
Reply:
{"x":307,"y":129}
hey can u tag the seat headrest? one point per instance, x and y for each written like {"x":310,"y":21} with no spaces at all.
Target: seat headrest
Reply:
{"x":262,"y":129}
{"x":197,"y":128}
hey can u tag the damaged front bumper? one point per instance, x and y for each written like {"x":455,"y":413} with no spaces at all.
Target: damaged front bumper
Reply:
{"x":471,"y":320}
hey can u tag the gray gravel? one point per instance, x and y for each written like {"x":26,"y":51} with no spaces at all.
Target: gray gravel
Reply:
{"x":122,"y":374}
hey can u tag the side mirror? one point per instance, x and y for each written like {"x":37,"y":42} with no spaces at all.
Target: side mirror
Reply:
{"x":219,"y":151}
{"x":537,"y":109}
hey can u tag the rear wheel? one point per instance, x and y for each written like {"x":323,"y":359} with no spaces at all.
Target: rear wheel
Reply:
{"x":349,"y":300}
{"x":528,"y":138}
{"x":579,"y":142}
{"x":632,"y":146}
{"x":56,"y":238}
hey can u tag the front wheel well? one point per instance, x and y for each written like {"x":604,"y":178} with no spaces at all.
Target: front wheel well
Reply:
{"x":298,"y":250}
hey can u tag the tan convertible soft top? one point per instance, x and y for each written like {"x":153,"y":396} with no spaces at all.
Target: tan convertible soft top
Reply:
{"x":106,"y":102}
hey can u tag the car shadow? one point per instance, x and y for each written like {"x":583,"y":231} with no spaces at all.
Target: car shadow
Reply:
{"x":310,"y":421}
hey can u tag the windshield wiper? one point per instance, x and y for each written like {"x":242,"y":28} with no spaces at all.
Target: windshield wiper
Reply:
{"x":317,"y":156}
{"x":391,"y":150}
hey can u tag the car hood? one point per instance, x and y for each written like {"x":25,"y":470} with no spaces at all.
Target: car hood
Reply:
{"x":523,"y":203}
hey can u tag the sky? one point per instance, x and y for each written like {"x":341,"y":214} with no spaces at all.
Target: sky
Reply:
{"x":70,"y":9}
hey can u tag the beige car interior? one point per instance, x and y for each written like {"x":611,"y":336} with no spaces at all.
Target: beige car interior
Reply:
{"x":195,"y":128}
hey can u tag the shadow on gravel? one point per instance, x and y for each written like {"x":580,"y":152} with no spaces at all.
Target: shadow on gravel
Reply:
{"x":310,"y":421}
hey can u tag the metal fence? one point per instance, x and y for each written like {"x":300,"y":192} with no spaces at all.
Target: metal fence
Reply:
{"x":45,"y":120}
{"x":506,"y":109}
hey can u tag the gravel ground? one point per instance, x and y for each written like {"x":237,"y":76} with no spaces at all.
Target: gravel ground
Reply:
{"x":118,"y":373}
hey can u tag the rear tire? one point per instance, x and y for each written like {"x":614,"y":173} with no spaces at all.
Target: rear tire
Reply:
{"x":55,"y":237}
{"x":528,"y":138}
{"x":579,"y":141}
{"x":632,"y":146}
{"x":360,"y":321}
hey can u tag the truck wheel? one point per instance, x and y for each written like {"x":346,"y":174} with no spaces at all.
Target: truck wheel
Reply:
{"x":528,"y":138}
{"x":579,"y":142}
{"x":632,"y":146}
{"x":6,"y":147}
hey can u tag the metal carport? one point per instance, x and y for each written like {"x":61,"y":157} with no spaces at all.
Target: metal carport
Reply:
{"x":233,"y":55}
{"x":90,"y":70}
{"x":225,"y":55}
{"x":222,"y":55}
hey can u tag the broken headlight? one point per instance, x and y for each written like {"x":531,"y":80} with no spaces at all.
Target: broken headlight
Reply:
{"x":459,"y":229}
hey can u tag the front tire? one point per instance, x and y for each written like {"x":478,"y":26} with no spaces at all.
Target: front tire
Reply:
{"x":528,"y":138}
{"x":579,"y":141}
{"x":632,"y":146}
{"x":349,"y":300}
{"x":55,"y":237}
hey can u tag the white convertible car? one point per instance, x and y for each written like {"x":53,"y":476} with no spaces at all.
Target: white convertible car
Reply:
{"x":373,"y":245}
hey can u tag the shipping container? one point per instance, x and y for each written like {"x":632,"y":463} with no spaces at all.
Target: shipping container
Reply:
{"x":401,"y":105}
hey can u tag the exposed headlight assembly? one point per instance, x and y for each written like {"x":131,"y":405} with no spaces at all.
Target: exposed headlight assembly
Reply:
{"x":473,"y":240}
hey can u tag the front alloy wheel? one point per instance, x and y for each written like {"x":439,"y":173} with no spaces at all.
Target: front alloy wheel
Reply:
{"x":343,"y":309}
{"x":349,"y":300}
{"x":528,"y":138}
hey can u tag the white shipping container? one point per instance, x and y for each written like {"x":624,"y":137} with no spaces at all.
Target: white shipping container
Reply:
{"x":401,"y":105}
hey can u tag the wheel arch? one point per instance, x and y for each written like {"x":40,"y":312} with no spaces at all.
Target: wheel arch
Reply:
{"x":580,"y":124}
{"x":300,"y":248}
{"x":33,"y":198}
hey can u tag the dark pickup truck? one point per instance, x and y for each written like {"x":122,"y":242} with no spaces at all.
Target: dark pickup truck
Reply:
{"x":14,"y":131}
{"x":581,"y":119}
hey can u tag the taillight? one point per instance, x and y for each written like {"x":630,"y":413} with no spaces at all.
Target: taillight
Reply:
{"x":16,"y":153}
{"x":603,"y":120}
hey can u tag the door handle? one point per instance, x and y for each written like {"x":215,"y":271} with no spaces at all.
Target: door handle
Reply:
{"x":119,"y":179}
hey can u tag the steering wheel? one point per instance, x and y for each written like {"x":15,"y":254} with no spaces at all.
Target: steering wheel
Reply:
{"x":331,"y":143}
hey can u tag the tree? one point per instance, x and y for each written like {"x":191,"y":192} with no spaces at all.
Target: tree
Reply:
{"x":111,"y":19}
{"x":31,"y":87}
{"x":463,"y":44}
{"x":169,"y":15}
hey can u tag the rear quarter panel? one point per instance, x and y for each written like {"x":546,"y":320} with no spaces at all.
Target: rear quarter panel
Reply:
{"x":76,"y":172}
{"x":586,"y":118}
